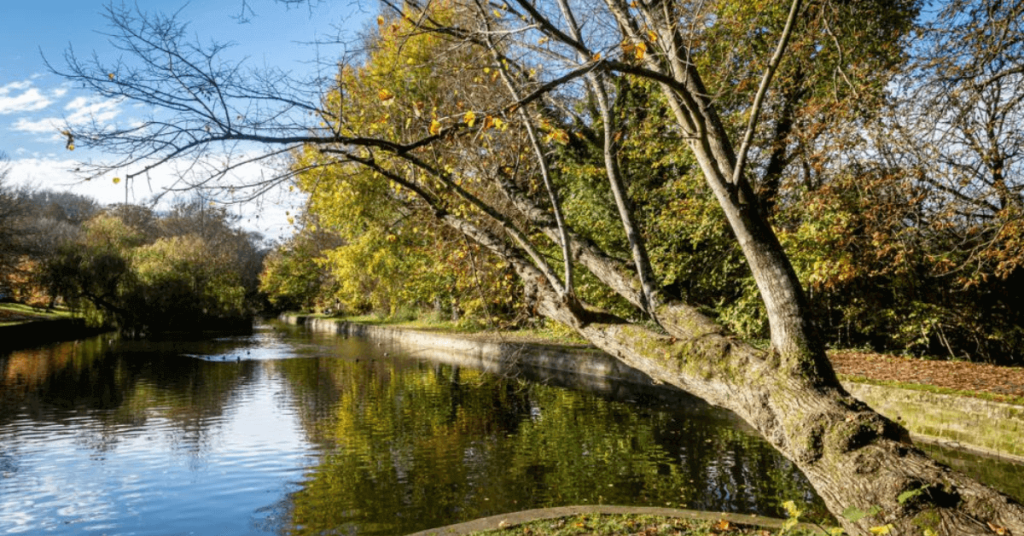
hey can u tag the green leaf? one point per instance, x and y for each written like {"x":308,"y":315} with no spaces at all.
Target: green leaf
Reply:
{"x":855,"y":514}
{"x":907,"y":495}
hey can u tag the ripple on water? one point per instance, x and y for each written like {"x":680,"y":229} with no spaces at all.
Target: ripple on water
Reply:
{"x":240,"y":436}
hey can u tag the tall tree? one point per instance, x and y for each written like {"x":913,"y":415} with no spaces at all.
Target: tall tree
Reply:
{"x":475,"y":155}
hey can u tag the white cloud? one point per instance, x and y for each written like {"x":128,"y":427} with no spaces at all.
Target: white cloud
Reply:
{"x":16,"y":86}
{"x":83,"y":110}
{"x":47,"y":125}
{"x":20,"y":97}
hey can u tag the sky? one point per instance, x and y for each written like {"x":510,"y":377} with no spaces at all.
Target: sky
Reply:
{"x":34,"y":101}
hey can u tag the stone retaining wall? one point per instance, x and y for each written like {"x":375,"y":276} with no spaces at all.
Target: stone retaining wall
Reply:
{"x":987,"y":427}
{"x":483,"y":354}
{"x":990,"y":428}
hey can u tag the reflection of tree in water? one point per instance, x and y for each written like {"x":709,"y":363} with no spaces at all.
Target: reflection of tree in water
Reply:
{"x":119,"y":386}
{"x":411,"y":445}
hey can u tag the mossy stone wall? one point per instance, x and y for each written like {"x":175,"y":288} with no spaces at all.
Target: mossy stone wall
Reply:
{"x":961,"y":422}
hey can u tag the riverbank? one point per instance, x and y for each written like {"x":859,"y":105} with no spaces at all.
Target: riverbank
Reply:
{"x":985,"y":426}
{"x":23,"y":326}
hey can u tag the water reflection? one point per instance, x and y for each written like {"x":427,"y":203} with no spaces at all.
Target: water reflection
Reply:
{"x":290,"y":433}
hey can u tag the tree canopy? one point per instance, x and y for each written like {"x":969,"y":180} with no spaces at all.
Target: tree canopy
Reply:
{"x":652,"y":173}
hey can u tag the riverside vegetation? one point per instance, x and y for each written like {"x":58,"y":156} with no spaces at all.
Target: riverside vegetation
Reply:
{"x":668,"y":179}
{"x":126,"y":267}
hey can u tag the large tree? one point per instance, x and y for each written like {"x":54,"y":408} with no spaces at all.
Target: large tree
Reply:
{"x":457,"y":105}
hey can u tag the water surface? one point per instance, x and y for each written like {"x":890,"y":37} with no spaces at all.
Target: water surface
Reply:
{"x":284,"y":432}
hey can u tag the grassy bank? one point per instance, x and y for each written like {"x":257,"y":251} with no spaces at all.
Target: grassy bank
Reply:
{"x":12,"y":314}
{"x":927,"y":388}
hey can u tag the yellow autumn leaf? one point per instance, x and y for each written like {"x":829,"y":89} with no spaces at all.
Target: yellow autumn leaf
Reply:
{"x":497,"y":14}
{"x":117,"y":180}
{"x":110,"y":76}
{"x":499,"y":124}
{"x":558,"y":135}
{"x":435,"y":127}
{"x":386,"y":97}
{"x":652,"y":36}
{"x":71,"y":146}
{"x":543,"y":40}
{"x":488,"y":122}
{"x":641,"y":50}
{"x":380,"y":20}
{"x":881,"y":531}
{"x":469,"y":118}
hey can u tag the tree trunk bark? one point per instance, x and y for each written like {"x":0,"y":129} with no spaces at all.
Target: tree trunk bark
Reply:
{"x":852,"y":456}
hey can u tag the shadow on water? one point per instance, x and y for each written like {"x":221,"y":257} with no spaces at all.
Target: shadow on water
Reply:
{"x":291,"y":433}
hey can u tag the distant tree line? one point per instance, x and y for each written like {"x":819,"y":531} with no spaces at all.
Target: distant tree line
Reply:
{"x":128,"y":266}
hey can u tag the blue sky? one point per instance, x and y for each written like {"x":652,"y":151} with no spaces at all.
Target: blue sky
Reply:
{"x":34,"y":101}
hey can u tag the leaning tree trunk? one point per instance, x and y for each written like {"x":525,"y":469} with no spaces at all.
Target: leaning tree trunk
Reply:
{"x":852,"y":456}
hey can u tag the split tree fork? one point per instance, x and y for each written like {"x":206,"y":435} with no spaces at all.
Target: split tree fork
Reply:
{"x":855,"y":458}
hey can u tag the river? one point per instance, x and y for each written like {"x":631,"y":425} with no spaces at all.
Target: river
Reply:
{"x":287,"y":432}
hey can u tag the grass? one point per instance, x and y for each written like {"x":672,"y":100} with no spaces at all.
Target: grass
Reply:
{"x":12,"y":314}
{"x":628,"y":524}
{"x":992,"y":397}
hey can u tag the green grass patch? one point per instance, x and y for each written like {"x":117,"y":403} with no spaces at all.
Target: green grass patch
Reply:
{"x":15,"y":313}
{"x":992,"y":397}
{"x":627,"y":524}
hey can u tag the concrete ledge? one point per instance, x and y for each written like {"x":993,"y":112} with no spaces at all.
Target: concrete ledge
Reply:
{"x":989,"y":428}
{"x":490,"y":356}
{"x":513,"y":519}
{"x":960,"y":422}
